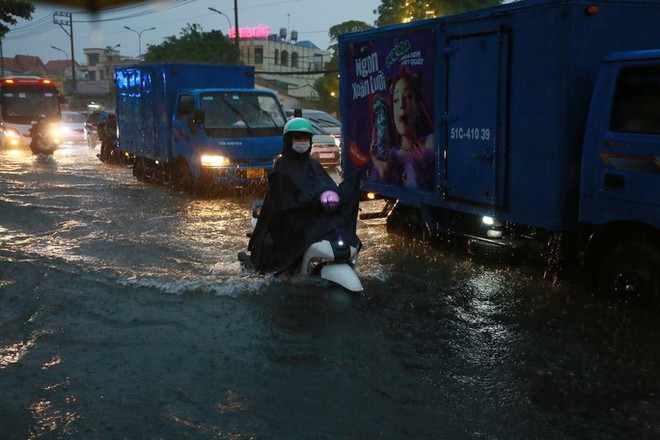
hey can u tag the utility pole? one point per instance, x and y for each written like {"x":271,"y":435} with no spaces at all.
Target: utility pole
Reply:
{"x":2,"y":60}
{"x":236,"y":36}
{"x":62,"y":19}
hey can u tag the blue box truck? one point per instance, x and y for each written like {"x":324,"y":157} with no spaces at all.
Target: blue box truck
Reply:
{"x":197,"y":126}
{"x":526,"y":128}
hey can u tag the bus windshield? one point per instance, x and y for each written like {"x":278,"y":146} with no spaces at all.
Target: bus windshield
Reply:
{"x":21,"y":104}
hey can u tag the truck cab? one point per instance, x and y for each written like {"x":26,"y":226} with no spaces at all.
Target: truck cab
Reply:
{"x":226,"y":135}
{"x":620,"y":178}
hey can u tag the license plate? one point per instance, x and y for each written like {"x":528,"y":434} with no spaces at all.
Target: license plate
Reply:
{"x":326,"y":156}
{"x":255,"y":173}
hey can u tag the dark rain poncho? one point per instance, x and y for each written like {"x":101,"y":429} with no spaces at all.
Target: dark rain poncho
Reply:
{"x":292,"y":216}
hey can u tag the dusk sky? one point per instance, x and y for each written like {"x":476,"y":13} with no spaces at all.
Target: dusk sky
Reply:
{"x":311,"y":18}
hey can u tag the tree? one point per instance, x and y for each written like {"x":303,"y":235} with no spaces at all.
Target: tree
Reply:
{"x":328,"y":85}
{"x":344,"y":28}
{"x":10,"y":9}
{"x":403,"y":11}
{"x":194,"y":46}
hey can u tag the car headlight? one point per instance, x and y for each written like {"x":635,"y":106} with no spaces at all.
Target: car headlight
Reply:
{"x":212,"y":161}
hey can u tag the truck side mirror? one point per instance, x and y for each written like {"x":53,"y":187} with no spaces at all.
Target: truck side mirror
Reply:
{"x":198,"y":117}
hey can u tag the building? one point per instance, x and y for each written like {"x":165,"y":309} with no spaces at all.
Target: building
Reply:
{"x":22,"y":65}
{"x":99,"y":73}
{"x":61,"y":69}
{"x":284,"y":65}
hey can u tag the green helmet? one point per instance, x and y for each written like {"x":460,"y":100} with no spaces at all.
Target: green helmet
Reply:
{"x":300,"y":125}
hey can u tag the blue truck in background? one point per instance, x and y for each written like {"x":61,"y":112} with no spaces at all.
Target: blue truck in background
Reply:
{"x":197,"y":126}
{"x":531,"y":129}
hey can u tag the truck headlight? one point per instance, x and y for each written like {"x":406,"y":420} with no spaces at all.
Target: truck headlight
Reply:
{"x":211,"y":161}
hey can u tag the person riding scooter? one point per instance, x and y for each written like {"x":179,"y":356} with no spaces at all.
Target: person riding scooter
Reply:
{"x":107,"y":131}
{"x":41,"y":142}
{"x":302,"y":205}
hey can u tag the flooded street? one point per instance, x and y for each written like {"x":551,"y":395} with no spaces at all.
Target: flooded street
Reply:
{"x":124,"y":314}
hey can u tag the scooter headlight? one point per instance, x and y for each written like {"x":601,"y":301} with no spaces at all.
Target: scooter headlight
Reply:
{"x":56,"y":131}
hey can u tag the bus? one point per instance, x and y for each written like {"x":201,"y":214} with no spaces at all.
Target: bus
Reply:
{"x":22,"y":100}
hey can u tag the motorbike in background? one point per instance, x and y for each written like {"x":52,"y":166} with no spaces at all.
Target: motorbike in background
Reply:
{"x":329,"y":258}
{"x":107,"y":133}
{"x":43,"y":141}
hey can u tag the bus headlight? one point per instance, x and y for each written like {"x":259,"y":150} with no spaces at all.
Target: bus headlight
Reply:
{"x":11,"y":133}
{"x":211,"y":161}
{"x":13,"y":136}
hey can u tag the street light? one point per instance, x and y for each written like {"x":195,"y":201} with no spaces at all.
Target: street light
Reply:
{"x":221,"y":13}
{"x":235,"y":23}
{"x":64,"y":52}
{"x":139,"y":34}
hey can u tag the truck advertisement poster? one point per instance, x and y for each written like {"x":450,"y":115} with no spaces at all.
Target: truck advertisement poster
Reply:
{"x":387,"y":94}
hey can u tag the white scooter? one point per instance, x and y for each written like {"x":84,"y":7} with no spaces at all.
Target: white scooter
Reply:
{"x":329,"y":259}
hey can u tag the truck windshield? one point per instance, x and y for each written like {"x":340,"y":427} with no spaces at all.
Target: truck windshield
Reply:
{"x":22,"y":104}
{"x":230,"y":113}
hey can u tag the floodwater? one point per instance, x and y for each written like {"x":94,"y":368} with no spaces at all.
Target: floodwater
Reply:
{"x":124,"y":314}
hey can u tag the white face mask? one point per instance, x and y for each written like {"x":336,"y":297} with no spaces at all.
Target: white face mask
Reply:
{"x":300,"y":147}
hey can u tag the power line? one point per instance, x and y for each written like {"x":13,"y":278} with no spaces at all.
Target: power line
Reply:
{"x":300,"y":72}
{"x":175,"y":4}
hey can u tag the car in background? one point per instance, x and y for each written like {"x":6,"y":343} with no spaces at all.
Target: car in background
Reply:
{"x":72,"y":128}
{"x":326,"y":121}
{"x":325,"y":148}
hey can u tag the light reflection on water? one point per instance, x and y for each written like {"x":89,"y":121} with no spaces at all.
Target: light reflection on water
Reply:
{"x":49,"y":419}
{"x":13,"y":353}
{"x":125,"y":313}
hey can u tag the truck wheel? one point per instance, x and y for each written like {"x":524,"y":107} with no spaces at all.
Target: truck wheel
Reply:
{"x":631,"y":270}
{"x":183,"y":178}
{"x":407,"y":221}
{"x":492,"y":252}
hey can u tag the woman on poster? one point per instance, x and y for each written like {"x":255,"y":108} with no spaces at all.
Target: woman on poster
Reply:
{"x":406,"y":155}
